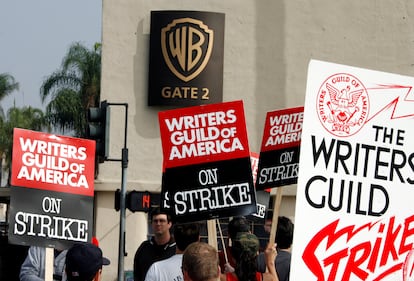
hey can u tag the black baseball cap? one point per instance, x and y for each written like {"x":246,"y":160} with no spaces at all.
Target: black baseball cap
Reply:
{"x":83,"y":261}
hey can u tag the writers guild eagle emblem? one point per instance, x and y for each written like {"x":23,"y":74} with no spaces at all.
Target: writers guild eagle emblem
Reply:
{"x":342,"y":104}
{"x":186,"y":46}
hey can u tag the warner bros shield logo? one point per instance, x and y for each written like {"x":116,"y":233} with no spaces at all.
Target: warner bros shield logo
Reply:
{"x":186,"y":45}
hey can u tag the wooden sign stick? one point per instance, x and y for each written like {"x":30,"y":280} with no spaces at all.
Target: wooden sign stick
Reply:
{"x":276,"y":208}
{"x":212,"y":233}
{"x":222,"y":241}
{"x":49,"y":259}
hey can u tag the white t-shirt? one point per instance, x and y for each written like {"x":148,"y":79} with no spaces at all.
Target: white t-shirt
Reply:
{"x":166,"y":270}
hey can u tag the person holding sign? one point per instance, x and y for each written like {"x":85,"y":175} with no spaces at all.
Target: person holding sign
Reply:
{"x":245,"y":249}
{"x":33,"y":267}
{"x":284,"y":238}
{"x":236,"y":226}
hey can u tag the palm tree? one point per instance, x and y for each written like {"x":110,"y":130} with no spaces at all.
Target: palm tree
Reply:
{"x":7,"y":85}
{"x":26,"y":118}
{"x":73,"y":89}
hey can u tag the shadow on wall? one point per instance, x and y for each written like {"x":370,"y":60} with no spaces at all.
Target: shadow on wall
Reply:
{"x":144,"y":114}
{"x":270,"y":92}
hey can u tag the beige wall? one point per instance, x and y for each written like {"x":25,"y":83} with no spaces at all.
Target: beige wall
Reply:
{"x":268,"y":45}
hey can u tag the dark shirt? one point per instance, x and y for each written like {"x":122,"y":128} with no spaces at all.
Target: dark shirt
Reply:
{"x":148,"y":253}
{"x":282,"y":265}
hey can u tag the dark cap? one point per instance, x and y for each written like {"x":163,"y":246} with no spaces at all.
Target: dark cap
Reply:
{"x":83,"y":261}
{"x":247,"y":243}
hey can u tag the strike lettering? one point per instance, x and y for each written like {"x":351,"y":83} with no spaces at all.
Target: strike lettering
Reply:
{"x":201,"y":120}
{"x":278,"y":173}
{"x":51,"y":227}
{"x":286,"y":118}
{"x":376,"y":162}
{"x":201,"y":134}
{"x":204,"y":199}
{"x":51,"y":148}
{"x":285,"y":128}
{"x":321,"y":192}
{"x":205,"y":148}
{"x":53,"y":177}
{"x":389,"y":241}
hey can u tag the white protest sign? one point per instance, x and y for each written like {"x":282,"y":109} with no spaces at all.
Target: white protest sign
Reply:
{"x":354,"y":215}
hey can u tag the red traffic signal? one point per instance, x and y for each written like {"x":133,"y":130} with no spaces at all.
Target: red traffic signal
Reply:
{"x":136,"y":201}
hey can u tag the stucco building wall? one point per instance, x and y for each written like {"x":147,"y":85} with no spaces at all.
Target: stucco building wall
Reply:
{"x":268,"y":45}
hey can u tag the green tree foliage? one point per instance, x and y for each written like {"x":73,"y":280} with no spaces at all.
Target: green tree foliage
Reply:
{"x":73,"y":89}
{"x":26,"y":118}
{"x":7,"y":86}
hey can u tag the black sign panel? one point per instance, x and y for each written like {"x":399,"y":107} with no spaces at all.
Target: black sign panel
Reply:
{"x":210,"y":190}
{"x":278,"y":168}
{"x":262,"y":203}
{"x":186,"y":58}
{"x":48,"y":218}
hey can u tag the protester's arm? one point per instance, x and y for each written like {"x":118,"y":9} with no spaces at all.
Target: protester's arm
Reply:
{"x":228,"y":268}
{"x":270,"y":256}
{"x":31,"y":269}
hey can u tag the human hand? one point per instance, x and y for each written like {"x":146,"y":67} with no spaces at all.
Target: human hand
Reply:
{"x":270,"y":253}
{"x":228,"y":268}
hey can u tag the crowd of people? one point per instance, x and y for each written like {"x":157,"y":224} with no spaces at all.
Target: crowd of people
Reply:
{"x":160,"y":257}
{"x":175,"y":253}
{"x":81,"y":262}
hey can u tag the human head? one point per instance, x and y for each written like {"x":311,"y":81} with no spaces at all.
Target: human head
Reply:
{"x":185,"y":234}
{"x":268,"y":222}
{"x":200,"y":262}
{"x":245,"y":244}
{"x":84,"y":262}
{"x":236,"y":225}
{"x":284,"y":233}
{"x":160,"y":221}
{"x":244,"y":250}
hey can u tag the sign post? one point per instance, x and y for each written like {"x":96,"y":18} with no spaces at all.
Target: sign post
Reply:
{"x":49,"y":260}
{"x":275,"y":218}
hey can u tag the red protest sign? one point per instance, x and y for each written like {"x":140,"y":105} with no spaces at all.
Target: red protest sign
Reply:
{"x":52,"y":189}
{"x":207,"y":170}
{"x":279,"y":154}
{"x":283,"y":128}
{"x":254,"y":159}
{"x":203,"y":134}
{"x":52,"y":162}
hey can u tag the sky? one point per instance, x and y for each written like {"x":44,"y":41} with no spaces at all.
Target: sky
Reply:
{"x":35,"y":35}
